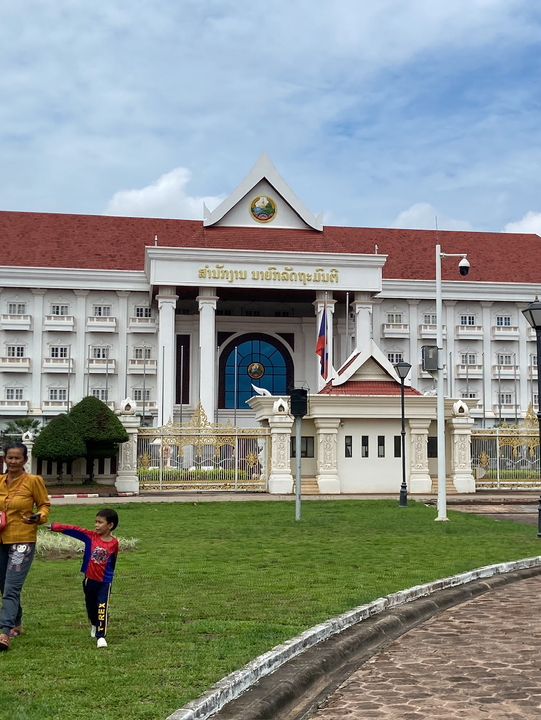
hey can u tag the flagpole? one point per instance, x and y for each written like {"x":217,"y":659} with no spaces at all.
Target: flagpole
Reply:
{"x":181,"y":380}
{"x":69,"y":375}
{"x":235,"y":386}
{"x":348,"y":351}
{"x":107,"y":376}
{"x":144,"y":383}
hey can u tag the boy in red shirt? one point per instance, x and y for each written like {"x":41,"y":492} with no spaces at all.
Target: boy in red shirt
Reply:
{"x":99,"y":560}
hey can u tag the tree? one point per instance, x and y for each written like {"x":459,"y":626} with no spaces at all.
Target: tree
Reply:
{"x":60,"y":441}
{"x":100,"y":429}
{"x":16,"y":428}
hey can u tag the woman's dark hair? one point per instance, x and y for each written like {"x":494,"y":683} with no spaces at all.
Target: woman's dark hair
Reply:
{"x":111,"y":516}
{"x":16,"y":446}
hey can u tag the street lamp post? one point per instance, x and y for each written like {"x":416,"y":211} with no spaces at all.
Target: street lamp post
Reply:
{"x":533,"y":315}
{"x":402,"y":369}
{"x":464,"y":268}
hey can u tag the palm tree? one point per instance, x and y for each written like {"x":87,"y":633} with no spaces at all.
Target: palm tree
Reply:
{"x":15,"y":429}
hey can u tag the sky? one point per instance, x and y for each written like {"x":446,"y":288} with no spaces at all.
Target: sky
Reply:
{"x":377,"y":113}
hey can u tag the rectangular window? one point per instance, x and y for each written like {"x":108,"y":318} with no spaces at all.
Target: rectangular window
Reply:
{"x":468,"y":359}
{"x":100,"y":352}
{"x":394,"y":318}
{"x":59,"y":351}
{"x":364,"y":446}
{"x":143,"y":353}
{"x":505,"y":398}
{"x":503,"y":320}
{"x":348,"y":446}
{"x":15,"y":351}
{"x":102,"y":311}
{"x":138,"y":394}
{"x":432,"y":447}
{"x":505,"y":359}
{"x":16,"y":308}
{"x":100,"y":393}
{"x":430,"y":319}
{"x":143,"y":311}
{"x":381,"y":445}
{"x":467,"y":319}
{"x":533,"y":360}
{"x":307,"y":447}
{"x":59,"y":310}
{"x":58,"y":394}
{"x":395,"y":357}
{"x":14,"y":393}
{"x":468,"y":395}
{"x":398,"y":446}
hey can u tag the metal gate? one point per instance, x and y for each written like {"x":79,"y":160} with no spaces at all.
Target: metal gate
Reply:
{"x":507,"y":457}
{"x":199,"y":455}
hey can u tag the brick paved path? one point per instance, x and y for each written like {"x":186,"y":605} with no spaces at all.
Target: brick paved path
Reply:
{"x":481,"y":659}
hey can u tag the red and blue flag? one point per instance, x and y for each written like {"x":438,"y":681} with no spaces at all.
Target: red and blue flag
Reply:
{"x":322,"y":346}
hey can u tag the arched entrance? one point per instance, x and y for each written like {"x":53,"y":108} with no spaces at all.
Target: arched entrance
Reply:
{"x":253,"y":359}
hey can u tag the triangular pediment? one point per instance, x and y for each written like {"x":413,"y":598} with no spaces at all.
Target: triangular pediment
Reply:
{"x":263,"y":199}
{"x":370,"y":364}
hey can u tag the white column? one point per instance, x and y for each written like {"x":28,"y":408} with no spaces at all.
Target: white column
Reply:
{"x":207,"y":351}
{"x":486,"y":359}
{"x":280,"y":423}
{"x":79,"y":352}
{"x":461,"y":470}
{"x":362,"y":306}
{"x":327,"y":464}
{"x":127,"y":481}
{"x":413,"y":346}
{"x":37,"y":350}
{"x":167,"y":302}
{"x":121,"y":359}
{"x":524,"y":366}
{"x":450,"y":359}
{"x":320,"y":304}
{"x":419,"y":476}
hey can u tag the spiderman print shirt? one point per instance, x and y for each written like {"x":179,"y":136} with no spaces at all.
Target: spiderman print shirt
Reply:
{"x":99,"y":556}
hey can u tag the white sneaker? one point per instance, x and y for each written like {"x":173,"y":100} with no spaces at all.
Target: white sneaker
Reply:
{"x":102,"y":642}
{"x":92,"y":631}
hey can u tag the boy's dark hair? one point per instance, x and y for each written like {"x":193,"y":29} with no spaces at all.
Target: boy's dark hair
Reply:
{"x":111,"y":516}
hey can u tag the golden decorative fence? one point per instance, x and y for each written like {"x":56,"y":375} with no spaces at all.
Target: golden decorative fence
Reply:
{"x":507,"y":457}
{"x":198,"y":455}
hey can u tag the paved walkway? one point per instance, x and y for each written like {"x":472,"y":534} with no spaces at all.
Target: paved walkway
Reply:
{"x":479,"y":660}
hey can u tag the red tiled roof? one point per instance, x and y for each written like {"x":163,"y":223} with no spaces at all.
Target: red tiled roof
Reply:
{"x":367,"y":388}
{"x":108,"y":243}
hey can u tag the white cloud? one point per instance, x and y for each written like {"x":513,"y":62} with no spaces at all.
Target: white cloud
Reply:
{"x":165,"y":198}
{"x":530,"y":223}
{"x":423,"y":216}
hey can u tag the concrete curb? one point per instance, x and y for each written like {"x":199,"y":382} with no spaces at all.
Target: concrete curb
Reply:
{"x":73,"y":495}
{"x":283,"y":692}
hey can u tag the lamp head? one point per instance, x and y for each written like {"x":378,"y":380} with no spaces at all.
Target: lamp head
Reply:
{"x":402,"y":369}
{"x":533,"y":314}
{"x":464,"y":266}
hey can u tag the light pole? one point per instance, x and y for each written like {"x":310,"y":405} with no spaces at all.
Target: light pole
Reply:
{"x":464,"y":268}
{"x":402,"y":369}
{"x":533,"y":315}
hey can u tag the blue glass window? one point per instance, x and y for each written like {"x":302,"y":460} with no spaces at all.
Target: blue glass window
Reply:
{"x":257,"y":361}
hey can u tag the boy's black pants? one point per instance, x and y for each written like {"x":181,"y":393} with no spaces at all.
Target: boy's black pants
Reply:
{"x":97,"y":603}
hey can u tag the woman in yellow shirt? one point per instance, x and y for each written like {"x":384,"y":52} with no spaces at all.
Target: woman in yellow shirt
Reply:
{"x":25,"y":500}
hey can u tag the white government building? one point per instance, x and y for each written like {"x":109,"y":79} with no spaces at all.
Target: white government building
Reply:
{"x":177,"y":313}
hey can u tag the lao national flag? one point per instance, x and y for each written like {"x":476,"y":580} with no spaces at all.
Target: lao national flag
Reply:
{"x":322,"y":348}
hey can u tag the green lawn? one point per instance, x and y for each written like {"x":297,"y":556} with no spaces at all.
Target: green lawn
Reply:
{"x":212,"y":585}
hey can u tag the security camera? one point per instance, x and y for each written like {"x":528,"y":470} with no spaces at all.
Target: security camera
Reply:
{"x":464,"y":266}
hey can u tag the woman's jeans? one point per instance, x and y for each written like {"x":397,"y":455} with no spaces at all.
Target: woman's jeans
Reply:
{"x":15,"y":562}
